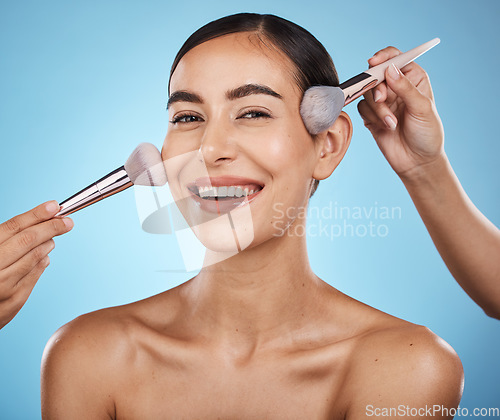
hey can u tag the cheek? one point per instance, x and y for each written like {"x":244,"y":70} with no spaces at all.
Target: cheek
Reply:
{"x":166,"y":156}
{"x":174,"y":156}
{"x":288,"y":159}
{"x":169,"y":148}
{"x":289,"y":145}
{"x":164,"y":149}
{"x":286,"y":149}
{"x":177,"y":162}
{"x":289,"y":155}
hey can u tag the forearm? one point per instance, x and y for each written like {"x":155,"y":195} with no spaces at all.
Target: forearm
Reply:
{"x":466,"y":240}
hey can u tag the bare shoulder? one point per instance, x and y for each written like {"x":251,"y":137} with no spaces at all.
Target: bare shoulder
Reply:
{"x":84,"y":361}
{"x":79,"y":362}
{"x":407,"y":367}
{"x":109,"y":334}
{"x":88,"y":334}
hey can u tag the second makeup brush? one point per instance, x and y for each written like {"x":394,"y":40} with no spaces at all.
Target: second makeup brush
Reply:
{"x":321,"y":105}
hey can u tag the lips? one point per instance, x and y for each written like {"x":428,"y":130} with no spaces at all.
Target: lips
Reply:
{"x":223,"y":194}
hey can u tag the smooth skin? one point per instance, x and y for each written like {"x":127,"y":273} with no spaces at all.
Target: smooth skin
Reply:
{"x":257,"y":335}
{"x":402,"y":117}
{"x":25,"y":242}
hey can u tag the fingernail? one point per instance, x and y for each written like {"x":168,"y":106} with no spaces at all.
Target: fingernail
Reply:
{"x":68,"y":222}
{"x":389,"y":121}
{"x":376,"y":95}
{"x":394,"y":72}
{"x":52,"y":206}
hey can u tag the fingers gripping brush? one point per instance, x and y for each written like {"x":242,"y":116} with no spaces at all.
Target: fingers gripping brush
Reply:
{"x":143,"y":167}
{"x":321,"y":105}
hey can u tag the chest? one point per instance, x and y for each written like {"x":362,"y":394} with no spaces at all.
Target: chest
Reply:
{"x":210,"y":387}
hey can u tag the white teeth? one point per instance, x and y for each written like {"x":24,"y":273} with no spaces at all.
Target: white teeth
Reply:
{"x":205,"y":191}
{"x":225,"y":191}
{"x":222,"y":192}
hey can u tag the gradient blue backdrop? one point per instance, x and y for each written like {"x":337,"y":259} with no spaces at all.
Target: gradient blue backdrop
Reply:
{"x":82,"y":83}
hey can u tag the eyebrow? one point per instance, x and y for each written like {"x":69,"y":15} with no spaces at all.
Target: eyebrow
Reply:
{"x":251,"y":89}
{"x":237,"y":93}
{"x":184,"y":96}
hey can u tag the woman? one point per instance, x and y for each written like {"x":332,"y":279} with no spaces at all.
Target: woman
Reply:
{"x":256,"y":334}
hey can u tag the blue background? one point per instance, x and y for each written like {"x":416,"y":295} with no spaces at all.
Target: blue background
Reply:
{"x":82,"y":83}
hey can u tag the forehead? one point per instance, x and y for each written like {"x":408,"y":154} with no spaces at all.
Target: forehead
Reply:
{"x":232,"y":60}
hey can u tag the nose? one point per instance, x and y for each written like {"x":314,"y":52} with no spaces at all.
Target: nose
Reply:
{"x":217,"y":145}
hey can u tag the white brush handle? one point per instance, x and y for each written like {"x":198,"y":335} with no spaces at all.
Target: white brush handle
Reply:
{"x":370,"y":78}
{"x":401,"y":60}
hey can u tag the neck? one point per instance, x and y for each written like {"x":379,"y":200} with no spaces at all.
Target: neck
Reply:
{"x":258,"y":294}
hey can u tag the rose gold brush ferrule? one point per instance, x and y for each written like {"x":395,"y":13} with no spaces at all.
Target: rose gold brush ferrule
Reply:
{"x":112,"y":183}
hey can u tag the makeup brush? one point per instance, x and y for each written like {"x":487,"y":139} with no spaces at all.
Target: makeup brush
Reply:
{"x":143,"y":167}
{"x":321,"y":105}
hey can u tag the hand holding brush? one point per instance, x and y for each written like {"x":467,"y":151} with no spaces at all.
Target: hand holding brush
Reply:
{"x":402,"y":117}
{"x":25,"y":242}
{"x":27,"y":239}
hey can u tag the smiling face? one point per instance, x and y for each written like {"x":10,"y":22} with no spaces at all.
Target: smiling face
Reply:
{"x":235,"y":124}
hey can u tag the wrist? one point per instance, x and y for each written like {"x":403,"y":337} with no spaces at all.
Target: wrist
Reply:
{"x":427,"y":173}
{"x":435,"y":190}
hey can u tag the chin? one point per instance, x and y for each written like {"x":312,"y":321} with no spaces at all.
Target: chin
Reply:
{"x":230,"y":232}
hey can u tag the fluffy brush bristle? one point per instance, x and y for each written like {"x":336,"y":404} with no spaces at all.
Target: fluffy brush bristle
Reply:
{"x":145,"y":166}
{"x":320,"y":107}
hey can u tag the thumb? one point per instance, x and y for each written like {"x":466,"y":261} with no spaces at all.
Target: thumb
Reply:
{"x":416,"y":103}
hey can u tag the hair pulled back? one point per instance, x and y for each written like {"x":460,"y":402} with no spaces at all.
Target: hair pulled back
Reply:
{"x":312,"y":63}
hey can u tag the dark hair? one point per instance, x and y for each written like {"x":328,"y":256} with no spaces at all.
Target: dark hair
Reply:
{"x":313,"y":65}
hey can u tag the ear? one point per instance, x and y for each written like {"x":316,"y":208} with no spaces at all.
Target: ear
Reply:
{"x":331,"y":146}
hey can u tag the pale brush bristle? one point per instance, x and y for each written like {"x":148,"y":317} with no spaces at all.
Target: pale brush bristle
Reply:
{"x":145,"y":166}
{"x":320,"y":107}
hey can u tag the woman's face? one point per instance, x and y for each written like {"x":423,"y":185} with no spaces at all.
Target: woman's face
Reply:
{"x":235,"y":122}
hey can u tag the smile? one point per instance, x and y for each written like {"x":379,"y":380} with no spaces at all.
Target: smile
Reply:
{"x":225,"y":193}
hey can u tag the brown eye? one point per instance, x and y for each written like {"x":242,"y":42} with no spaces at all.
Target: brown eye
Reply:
{"x":254,"y":115}
{"x":185,"y":119}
